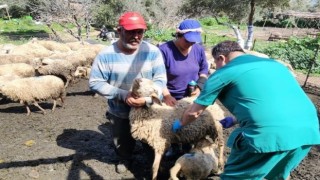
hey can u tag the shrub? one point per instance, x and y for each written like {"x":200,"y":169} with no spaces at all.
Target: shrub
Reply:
{"x":301,"y":53}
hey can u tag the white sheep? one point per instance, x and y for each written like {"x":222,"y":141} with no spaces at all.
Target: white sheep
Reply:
{"x":53,"y":45}
{"x":153,"y":125}
{"x":58,"y":67}
{"x":82,"y":72}
{"x":17,"y":69}
{"x":18,"y":58}
{"x":197,"y":164}
{"x":7,"y":78}
{"x":74,"y":57}
{"x":77,"y":45}
{"x":35,"y":89}
{"x":6,"y":48}
{"x":32,"y":49}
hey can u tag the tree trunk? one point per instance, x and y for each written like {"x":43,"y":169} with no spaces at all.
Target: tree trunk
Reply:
{"x":311,"y":63}
{"x":249,"y":42}
{"x":236,"y":31}
{"x":54,"y":32}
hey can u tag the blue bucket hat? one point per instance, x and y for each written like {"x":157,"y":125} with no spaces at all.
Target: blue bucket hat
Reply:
{"x":191,"y":30}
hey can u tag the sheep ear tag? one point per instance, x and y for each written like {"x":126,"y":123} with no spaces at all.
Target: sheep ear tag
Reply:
{"x":155,"y":99}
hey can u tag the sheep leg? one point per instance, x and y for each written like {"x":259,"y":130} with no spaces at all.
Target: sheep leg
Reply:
{"x":174,"y":171}
{"x":28,"y":109}
{"x":67,"y":83}
{"x":36,"y":104}
{"x":54,"y":105}
{"x":156,"y":164}
{"x":220,"y":147}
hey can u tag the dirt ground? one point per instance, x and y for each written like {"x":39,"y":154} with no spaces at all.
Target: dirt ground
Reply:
{"x":74,"y":142}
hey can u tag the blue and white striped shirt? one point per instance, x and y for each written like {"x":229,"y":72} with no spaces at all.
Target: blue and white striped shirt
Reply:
{"x":113,"y":72}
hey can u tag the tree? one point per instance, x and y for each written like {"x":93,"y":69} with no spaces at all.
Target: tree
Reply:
{"x":161,"y":13}
{"x":236,"y":10}
{"x":64,"y":12}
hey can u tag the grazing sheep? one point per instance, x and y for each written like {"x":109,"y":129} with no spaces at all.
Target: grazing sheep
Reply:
{"x":18,"y":58}
{"x":54,"y":46}
{"x":32,"y":49}
{"x":74,"y":57}
{"x":82,"y":72}
{"x":197,"y":164}
{"x":90,"y":52}
{"x":17,"y":69}
{"x":77,"y":45}
{"x":153,"y":125}
{"x":6,"y":79}
{"x":6,"y":48}
{"x":58,"y":67}
{"x":35,"y":89}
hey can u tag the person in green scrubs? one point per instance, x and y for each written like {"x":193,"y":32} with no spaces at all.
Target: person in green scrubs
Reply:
{"x":278,"y":123}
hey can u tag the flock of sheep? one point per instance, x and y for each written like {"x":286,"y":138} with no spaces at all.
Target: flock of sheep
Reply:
{"x":42,"y":70}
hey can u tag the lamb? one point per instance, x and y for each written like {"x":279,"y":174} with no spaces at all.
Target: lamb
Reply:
{"x":197,"y":164}
{"x":17,"y":69}
{"x":35,"y":89}
{"x":153,"y":125}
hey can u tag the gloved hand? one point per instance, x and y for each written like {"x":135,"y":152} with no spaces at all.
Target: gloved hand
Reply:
{"x":176,"y":125}
{"x":227,"y":122}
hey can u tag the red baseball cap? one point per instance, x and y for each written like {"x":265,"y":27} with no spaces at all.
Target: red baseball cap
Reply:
{"x":132,"y":20}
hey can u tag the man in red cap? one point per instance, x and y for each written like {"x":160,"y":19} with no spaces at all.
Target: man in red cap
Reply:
{"x":112,"y":75}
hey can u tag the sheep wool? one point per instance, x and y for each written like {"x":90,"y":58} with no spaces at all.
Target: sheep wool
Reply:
{"x":197,"y":164}
{"x":153,"y":125}
{"x":74,"y":57}
{"x":58,"y":67}
{"x":17,"y":69}
{"x":35,"y":89}
{"x":18,"y":58}
{"x":54,"y":46}
{"x":32,"y":49}
{"x":77,"y":45}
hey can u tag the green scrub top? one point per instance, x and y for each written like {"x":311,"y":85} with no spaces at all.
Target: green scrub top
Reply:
{"x":273,"y":111}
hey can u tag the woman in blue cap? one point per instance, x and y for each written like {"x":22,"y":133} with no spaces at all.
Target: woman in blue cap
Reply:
{"x":185,"y":61}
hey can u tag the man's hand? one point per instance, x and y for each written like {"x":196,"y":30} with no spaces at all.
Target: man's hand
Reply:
{"x":176,"y":126}
{"x":135,"y":102}
{"x":227,"y":122}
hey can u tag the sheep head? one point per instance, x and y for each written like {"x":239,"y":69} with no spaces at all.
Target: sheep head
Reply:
{"x":204,"y":145}
{"x":143,"y":87}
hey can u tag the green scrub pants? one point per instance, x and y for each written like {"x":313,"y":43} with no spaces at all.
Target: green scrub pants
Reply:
{"x":246,"y":165}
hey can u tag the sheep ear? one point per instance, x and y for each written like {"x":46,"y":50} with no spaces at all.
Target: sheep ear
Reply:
{"x":155,"y":99}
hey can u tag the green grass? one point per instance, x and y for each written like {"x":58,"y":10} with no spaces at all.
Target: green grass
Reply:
{"x":19,"y":31}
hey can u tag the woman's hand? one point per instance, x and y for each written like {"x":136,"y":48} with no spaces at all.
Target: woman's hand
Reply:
{"x":169,"y":100}
{"x":196,"y":92}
